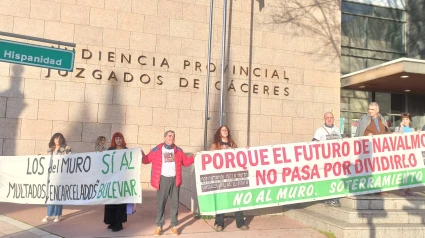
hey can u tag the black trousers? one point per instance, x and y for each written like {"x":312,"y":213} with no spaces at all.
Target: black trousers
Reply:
{"x":115,"y":215}
{"x":167,"y":187}
{"x":219,"y":219}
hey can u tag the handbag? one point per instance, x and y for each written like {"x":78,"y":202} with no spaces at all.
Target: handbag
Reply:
{"x":131,"y":208}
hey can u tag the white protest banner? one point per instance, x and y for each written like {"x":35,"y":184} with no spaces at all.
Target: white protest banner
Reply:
{"x":267,"y":176}
{"x":109,"y":177}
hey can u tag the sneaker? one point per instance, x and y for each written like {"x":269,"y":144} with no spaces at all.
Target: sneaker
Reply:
{"x":174,"y":231}
{"x":158,"y":231}
{"x":243,"y":228}
{"x":57,"y":219}
{"x":218,"y":228}
{"x":332,"y":203}
{"x":46,"y":219}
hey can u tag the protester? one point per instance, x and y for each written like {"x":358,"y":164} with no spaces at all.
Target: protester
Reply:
{"x":166,"y":177}
{"x":57,"y":146}
{"x":222,"y":141}
{"x":379,"y":125}
{"x":116,"y":214}
{"x":328,"y":132}
{"x":406,"y":123}
{"x":100,"y":144}
{"x":373,"y":123}
{"x":405,"y":127}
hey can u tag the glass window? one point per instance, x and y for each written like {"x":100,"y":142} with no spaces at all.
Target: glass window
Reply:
{"x":385,"y":35}
{"x":353,"y":28}
{"x":357,"y":8}
{"x":372,"y":11}
{"x":370,"y":35}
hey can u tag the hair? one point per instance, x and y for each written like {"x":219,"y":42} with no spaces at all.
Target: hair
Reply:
{"x":115,"y":135}
{"x":99,"y":139}
{"x":169,"y":131}
{"x":62,"y":141}
{"x":407,"y":115}
{"x":375,"y":104}
{"x":217,"y":136}
{"x":328,"y":112}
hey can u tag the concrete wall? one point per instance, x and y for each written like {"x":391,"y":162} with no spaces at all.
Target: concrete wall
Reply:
{"x":291,"y":49}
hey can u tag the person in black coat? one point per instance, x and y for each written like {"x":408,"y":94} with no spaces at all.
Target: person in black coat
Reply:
{"x":116,"y":214}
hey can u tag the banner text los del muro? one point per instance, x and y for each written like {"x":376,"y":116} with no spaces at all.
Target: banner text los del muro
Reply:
{"x":77,"y":177}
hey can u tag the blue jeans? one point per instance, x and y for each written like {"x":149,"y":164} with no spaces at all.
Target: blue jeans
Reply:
{"x":54,"y":210}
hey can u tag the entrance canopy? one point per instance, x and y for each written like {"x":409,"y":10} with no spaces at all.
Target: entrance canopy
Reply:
{"x":402,"y":75}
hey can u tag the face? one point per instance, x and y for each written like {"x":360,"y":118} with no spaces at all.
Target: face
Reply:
{"x":224,"y":133}
{"x":57,"y":140}
{"x":329,"y":119}
{"x":169,"y":138}
{"x":405,"y":121}
{"x":373,"y":110}
{"x":118,"y":141}
{"x":103,"y":141}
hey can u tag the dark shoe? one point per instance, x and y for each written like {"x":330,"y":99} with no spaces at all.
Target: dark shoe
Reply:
{"x":410,"y":192}
{"x":219,"y":228}
{"x":243,"y":228}
{"x":117,"y":229}
{"x":110,"y":226}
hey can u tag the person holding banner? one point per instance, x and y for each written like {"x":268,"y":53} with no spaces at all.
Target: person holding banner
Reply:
{"x":222,"y":141}
{"x":406,"y":127}
{"x":371,"y":124}
{"x":328,"y":132}
{"x":116,"y":214}
{"x":100,"y":144}
{"x":379,"y":125}
{"x":57,"y":146}
{"x":167,"y":160}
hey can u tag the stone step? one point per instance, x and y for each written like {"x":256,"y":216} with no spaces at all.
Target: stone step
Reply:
{"x":391,"y":201}
{"x":369,"y":216}
{"x":343,"y":229}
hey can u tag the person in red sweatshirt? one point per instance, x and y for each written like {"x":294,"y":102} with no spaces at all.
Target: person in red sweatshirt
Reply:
{"x":167,"y":160}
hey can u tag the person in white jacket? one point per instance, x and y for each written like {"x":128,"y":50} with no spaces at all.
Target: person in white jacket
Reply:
{"x":328,"y":132}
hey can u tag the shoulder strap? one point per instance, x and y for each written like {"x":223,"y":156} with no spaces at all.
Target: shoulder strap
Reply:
{"x":326,"y":130}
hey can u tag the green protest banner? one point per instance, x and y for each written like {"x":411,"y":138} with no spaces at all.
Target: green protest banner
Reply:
{"x":258,"y":177}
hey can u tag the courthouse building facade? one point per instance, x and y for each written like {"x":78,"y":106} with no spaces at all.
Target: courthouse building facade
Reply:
{"x":140,"y":68}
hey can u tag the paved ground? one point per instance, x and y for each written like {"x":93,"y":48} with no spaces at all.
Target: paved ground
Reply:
{"x":19,"y":220}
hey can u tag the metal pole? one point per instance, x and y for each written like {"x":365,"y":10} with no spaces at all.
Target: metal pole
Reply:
{"x":55,"y":42}
{"x":207,"y":84}
{"x":223,"y":61}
